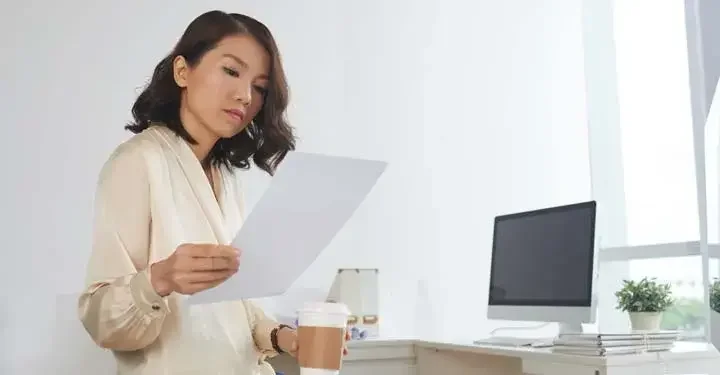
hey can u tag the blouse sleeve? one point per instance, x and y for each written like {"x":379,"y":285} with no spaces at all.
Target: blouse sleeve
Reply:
{"x":261,"y":330}
{"x":119,"y":308}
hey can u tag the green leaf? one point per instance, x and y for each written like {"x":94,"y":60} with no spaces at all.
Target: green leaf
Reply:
{"x":715,"y":295}
{"x":646,"y":295}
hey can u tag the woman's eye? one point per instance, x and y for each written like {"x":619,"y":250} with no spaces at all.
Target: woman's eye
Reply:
{"x":261,"y":90}
{"x":231,"y":72}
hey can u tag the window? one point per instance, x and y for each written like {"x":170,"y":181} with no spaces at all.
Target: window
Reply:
{"x":648,"y":151}
{"x":655,"y":122}
{"x":658,"y":151}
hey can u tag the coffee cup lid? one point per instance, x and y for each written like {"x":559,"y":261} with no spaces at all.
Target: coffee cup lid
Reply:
{"x":325,"y":308}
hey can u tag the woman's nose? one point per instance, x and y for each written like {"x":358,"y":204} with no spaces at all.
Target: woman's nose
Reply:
{"x":243,"y":95}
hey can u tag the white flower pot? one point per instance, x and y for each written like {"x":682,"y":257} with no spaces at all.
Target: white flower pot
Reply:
{"x":645,"y":321}
{"x":715,"y":328}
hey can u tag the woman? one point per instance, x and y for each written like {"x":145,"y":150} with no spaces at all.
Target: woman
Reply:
{"x":167,"y":203}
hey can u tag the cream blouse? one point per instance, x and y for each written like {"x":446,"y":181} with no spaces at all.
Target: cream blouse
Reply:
{"x":152,"y":196}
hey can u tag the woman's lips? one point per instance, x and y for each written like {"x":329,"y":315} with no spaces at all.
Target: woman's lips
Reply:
{"x":236,"y":114}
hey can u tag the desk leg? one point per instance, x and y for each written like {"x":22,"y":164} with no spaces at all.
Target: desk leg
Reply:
{"x":447,"y":362}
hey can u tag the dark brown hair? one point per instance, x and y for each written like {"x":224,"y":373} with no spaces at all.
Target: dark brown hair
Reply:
{"x":266,"y":140}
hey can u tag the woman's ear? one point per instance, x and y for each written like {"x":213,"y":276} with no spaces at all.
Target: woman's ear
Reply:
{"x":180,"y":71}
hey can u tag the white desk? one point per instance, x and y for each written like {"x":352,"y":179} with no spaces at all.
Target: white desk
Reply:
{"x":417,"y":357}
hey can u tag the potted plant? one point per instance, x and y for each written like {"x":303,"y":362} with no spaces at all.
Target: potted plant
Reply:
{"x":645,"y":301}
{"x":715,"y":312}
{"x":715,"y":296}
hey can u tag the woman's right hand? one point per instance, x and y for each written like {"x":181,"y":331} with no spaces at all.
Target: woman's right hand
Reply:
{"x":193,"y":268}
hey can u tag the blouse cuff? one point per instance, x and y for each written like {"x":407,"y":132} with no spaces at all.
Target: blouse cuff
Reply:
{"x":262,"y":338}
{"x":145,"y":296}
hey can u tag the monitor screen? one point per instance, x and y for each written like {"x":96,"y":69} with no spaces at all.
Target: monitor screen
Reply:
{"x":544,"y":257}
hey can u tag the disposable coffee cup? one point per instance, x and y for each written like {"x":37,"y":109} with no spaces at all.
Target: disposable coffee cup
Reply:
{"x":321,"y":338}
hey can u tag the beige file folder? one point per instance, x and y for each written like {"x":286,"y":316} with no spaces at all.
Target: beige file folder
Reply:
{"x":358,"y":289}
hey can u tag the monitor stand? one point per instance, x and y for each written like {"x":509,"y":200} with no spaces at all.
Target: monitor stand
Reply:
{"x":565,"y":328}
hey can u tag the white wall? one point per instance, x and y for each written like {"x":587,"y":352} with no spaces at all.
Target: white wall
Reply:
{"x":478,"y":106}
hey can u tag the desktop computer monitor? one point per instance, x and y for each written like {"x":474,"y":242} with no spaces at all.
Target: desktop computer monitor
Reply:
{"x":542,"y":266}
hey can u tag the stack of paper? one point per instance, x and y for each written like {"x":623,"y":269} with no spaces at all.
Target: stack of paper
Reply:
{"x":603,"y":344}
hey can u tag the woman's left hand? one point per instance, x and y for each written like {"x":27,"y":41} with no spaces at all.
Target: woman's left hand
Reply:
{"x":288,"y":341}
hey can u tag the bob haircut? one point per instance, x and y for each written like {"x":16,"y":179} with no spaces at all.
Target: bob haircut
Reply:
{"x":266,"y":140}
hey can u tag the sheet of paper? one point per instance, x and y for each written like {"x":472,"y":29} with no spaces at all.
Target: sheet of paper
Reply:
{"x":309,"y":200}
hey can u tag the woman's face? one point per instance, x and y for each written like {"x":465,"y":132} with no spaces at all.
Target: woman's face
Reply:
{"x":226,"y":89}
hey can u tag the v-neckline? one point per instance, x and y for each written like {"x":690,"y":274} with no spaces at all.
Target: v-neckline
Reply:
{"x":210,"y":201}
{"x":215,"y":186}
{"x":215,"y":180}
